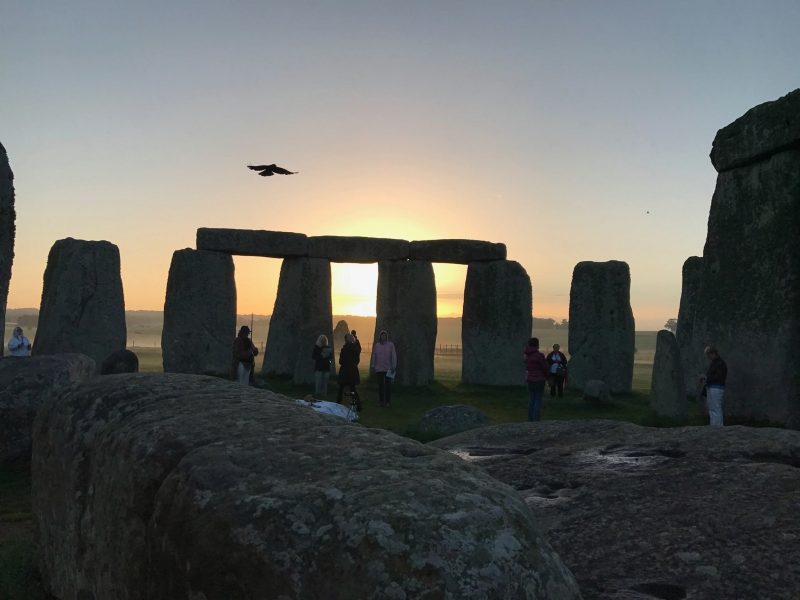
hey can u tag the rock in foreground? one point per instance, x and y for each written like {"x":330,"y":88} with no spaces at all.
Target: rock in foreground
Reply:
{"x":25,"y":382}
{"x":644,"y":513}
{"x":181,"y":486}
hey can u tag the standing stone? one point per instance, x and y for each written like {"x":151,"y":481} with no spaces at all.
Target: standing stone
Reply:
{"x":667,"y":391}
{"x":338,"y":336}
{"x":601,"y":326}
{"x":749,"y":300}
{"x":83,"y":307}
{"x":25,"y":383}
{"x":692,"y":359}
{"x":7,"y":217}
{"x":199,"y":313}
{"x":302,"y":313}
{"x":496,"y":323}
{"x":406,"y":308}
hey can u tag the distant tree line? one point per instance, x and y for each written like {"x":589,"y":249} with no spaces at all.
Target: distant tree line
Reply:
{"x":540,"y":323}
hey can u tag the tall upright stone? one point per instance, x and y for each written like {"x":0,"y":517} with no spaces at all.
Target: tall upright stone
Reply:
{"x":667,"y":389}
{"x":749,"y":300}
{"x":406,"y":308}
{"x":601,"y":325}
{"x":199,"y":313}
{"x":83,"y":307}
{"x":692,"y":359}
{"x":496,"y":323}
{"x":7,"y":228}
{"x":302,"y":313}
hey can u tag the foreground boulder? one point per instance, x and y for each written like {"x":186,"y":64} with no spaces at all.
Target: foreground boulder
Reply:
{"x":643,"y":513}
{"x":25,"y":382}
{"x":181,"y":486}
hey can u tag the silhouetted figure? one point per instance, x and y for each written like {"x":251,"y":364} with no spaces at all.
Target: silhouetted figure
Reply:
{"x":270,"y":170}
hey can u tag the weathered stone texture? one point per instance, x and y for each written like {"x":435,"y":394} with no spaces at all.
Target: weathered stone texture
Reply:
{"x":301,"y":314}
{"x":121,"y":361}
{"x":406,"y":308}
{"x":357,"y":249}
{"x":83,"y":307}
{"x":180,"y":486}
{"x":457,"y":251}
{"x":199,"y":313}
{"x":692,"y":359}
{"x":642,"y":513}
{"x":749,"y":301}
{"x":667,"y":389}
{"x":448,"y":420}
{"x":596,"y":390}
{"x":762,"y":131}
{"x":601,"y":326}
{"x":7,"y":229}
{"x":496,"y":323}
{"x":25,"y":383}
{"x":247,"y":242}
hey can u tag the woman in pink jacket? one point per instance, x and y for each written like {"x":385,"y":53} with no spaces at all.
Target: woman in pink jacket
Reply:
{"x":536,"y":374}
{"x":384,"y":363}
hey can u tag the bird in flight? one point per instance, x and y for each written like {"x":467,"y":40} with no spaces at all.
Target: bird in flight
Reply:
{"x":270,"y":170}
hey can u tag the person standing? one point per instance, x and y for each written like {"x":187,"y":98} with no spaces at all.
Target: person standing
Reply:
{"x":557,"y":366}
{"x":349,"y":357}
{"x":384,"y":364}
{"x":535,"y":374}
{"x":714,"y":381}
{"x":244,"y":357}
{"x":19,"y":345}
{"x":322,"y":356}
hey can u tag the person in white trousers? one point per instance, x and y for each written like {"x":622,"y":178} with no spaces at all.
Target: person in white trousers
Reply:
{"x":714,"y":381}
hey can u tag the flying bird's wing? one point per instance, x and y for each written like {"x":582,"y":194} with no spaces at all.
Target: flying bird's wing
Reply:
{"x":269,"y":170}
{"x":281,"y":170}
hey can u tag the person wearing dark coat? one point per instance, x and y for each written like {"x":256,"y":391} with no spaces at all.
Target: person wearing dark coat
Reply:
{"x":349,"y":357}
{"x":557,"y":362}
{"x":535,"y":375}
{"x":244,"y":357}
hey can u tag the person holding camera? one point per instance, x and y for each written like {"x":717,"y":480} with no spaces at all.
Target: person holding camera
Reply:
{"x":19,"y":345}
{"x":557,"y":362}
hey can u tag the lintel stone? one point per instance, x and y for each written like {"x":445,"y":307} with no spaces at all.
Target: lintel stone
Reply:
{"x":247,"y":242}
{"x":357,"y":249}
{"x":762,"y":131}
{"x":457,"y":251}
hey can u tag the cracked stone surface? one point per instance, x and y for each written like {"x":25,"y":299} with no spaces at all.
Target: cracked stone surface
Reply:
{"x":187,"y":486}
{"x":639,"y":512}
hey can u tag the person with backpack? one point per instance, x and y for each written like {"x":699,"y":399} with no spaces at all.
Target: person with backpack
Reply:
{"x":244,"y":357}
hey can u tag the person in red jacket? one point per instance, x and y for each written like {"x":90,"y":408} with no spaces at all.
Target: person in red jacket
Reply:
{"x":536,"y":370}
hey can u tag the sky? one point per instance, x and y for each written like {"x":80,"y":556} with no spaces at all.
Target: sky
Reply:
{"x":567,"y":130}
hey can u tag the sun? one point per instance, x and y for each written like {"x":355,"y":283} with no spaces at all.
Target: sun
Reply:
{"x":353,"y":289}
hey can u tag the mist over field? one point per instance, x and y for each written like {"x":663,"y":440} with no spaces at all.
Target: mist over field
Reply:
{"x":144,"y":329}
